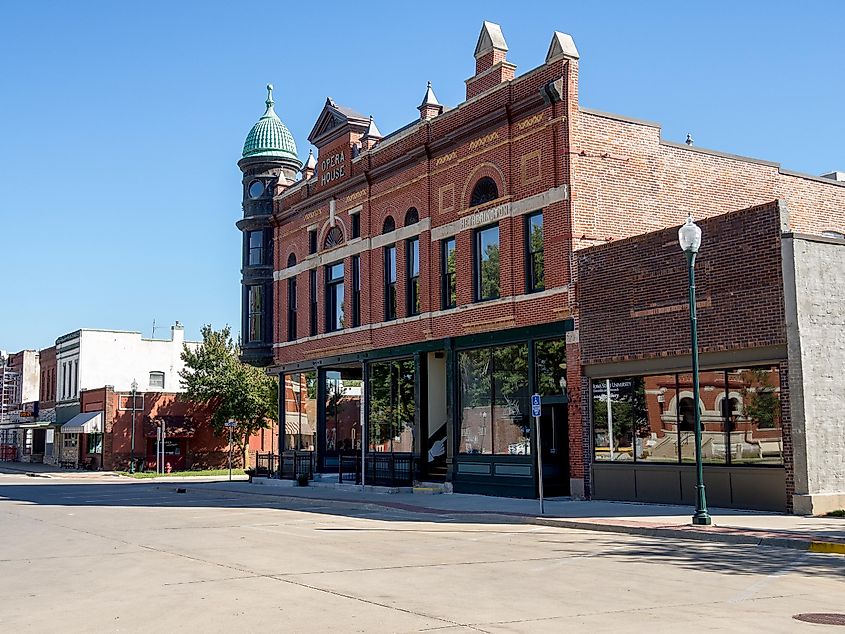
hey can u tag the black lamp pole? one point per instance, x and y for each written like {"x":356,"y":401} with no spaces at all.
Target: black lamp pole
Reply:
{"x":689,"y":236}
{"x":132,"y":433}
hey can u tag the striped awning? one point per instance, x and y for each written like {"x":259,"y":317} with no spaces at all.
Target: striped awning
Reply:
{"x":85,"y":423}
{"x":296,"y":425}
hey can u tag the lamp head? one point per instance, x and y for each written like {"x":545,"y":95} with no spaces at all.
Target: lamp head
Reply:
{"x":689,"y":236}
{"x":134,"y":385}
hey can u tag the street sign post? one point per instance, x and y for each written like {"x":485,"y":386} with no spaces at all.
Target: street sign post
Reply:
{"x":230,"y":425}
{"x":536,"y":410}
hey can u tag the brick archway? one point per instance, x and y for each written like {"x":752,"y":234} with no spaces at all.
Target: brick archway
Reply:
{"x":488,"y":169}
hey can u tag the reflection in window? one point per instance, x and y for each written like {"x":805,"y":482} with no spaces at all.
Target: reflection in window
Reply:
{"x":256,"y":248}
{"x":391,"y":419}
{"x":448,"y":283}
{"x":334,"y":297}
{"x":254,"y":302}
{"x":740,"y":417}
{"x":301,"y":411}
{"x":412,"y":257}
{"x":487,"y":263}
{"x":343,"y":410}
{"x":390,"y":282}
{"x":535,"y":274}
{"x":494,"y":401}
{"x":551,"y":367}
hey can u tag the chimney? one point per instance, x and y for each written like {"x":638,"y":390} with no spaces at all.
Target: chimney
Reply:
{"x":839,"y":177}
{"x":491,"y":67}
{"x":309,"y":166}
{"x":371,"y":136}
{"x":430,"y":107}
{"x":177,"y":333}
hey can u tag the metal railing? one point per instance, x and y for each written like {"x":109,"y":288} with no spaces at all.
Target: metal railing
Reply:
{"x":266,"y":464}
{"x":383,"y":469}
{"x":295,"y":463}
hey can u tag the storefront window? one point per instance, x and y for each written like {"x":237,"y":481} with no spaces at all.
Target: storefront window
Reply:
{"x":301,"y":411}
{"x":343,"y":410}
{"x":95,"y":443}
{"x":392,"y":407}
{"x":551,"y":367}
{"x":652,"y":418}
{"x":494,"y":401}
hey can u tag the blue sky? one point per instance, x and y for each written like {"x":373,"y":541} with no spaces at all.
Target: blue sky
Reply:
{"x":121,"y":123}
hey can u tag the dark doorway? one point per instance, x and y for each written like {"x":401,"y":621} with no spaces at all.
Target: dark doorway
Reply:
{"x":554,"y":439}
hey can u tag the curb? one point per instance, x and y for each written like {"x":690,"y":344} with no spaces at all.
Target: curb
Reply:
{"x":745,"y":537}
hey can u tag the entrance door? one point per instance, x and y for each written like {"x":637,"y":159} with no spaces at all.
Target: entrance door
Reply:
{"x":554,"y":437}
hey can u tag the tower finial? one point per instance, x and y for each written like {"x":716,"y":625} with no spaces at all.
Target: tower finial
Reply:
{"x":269,"y":101}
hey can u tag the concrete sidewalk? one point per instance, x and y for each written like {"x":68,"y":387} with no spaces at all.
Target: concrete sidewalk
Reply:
{"x":818,"y":534}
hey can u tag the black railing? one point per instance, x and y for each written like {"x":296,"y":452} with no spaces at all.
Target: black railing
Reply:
{"x":266,"y":464}
{"x":296,"y":463}
{"x":383,"y":469}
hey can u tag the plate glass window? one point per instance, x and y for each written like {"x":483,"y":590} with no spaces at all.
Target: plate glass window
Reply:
{"x":448,"y":283}
{"x":535,"y":274}
{"x":334,"y":296}
{"x":487,"y":263}
{"x":256,"y":189}
{"x":256,"y":248}
{"x":255,"y":303}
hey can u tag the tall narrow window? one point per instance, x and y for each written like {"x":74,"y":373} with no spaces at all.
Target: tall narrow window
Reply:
{"x":412,"y":257}
{"x":448,"y":282}
{"x":356,"y":225}
{"x":256,"y":248}
{"x":312,"y":241}
{"x":292,"y":308}
{"x":76,"y":378}
{"x":334,"y":297}
{"x":535,"y":273}
{"x":486,"y":263}
{"x":255,"y":303}
{"x":356,"y":290}
{"x":312,"y":291}
{"x":390,"y":282}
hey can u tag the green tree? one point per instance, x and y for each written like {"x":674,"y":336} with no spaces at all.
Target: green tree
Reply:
{"x":214,"y":376}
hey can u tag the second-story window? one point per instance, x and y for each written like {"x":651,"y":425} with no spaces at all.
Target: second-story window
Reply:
{"x":390,"y":282}
{"x":312,"y":241}
{"x":356,"y":290}
{"x":156,"y":380}
{"x":412,"y":257}
{"x":535,"y":273}
{"x":334,"y":297}
{"x":448,"y":282}
{"x":255,"y":303}
{"x":356,"y":225}
{"x":292,"y":308}
{"x":312,"y":294}
{"x":256,"y":248}
{"x":486,"y":265}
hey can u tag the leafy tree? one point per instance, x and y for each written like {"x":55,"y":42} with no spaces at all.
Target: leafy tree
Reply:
{"x":215,"y":377}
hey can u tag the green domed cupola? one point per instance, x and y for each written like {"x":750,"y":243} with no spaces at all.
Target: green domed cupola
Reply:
{"x":269,"y":136}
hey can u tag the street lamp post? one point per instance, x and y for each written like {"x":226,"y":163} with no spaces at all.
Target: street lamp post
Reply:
{"x":689,"y":235}
{"x":132,"y":433}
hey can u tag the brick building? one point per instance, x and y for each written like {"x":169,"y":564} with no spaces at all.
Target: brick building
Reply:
{"x":427,"y":279}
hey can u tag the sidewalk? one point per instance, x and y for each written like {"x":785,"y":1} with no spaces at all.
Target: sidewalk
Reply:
{"x":817,"y":534}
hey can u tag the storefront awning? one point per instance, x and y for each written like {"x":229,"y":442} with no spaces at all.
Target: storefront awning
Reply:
{"x":38,"y":424}
{"x":85,"y":423}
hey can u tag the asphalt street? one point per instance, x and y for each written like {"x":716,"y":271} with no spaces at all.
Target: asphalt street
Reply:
{"x":103,"y":556}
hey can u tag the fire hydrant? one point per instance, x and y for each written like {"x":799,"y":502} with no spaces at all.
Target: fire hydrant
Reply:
{"x":168,"y":468}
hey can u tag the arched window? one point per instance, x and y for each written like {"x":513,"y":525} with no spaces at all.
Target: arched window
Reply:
{"x":687,"y":411}
{"x":333,"y":238}
{"x":389,"y":225}
{"x":291,"y":260}
{"x":412,"y":216}
{"x":484,"y":191}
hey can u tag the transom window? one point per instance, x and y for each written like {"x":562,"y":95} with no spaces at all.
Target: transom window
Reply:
{"x":412,"y":216}
{"x":389,"y":225}
{"x":291,"y":260}
{"x":484,"y":191}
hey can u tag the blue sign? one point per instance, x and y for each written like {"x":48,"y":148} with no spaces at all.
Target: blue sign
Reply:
{"x":536,"y":404}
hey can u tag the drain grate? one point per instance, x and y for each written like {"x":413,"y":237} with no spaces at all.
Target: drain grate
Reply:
{"x":821,"y":618}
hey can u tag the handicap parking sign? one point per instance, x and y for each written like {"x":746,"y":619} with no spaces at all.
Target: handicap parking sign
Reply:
{"x":535,"y":404}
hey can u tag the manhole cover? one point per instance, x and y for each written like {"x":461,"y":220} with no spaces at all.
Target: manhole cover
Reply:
{"x":822,"y":618}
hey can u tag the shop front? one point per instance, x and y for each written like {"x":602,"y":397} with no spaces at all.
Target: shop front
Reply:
{"x":449,"y":410}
